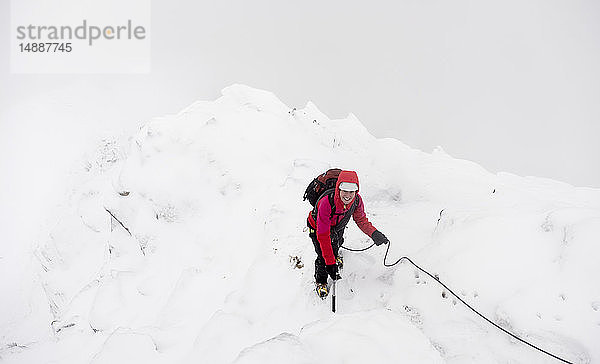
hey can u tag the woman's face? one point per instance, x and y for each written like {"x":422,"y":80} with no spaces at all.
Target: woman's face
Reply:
{"x":347,"y":196}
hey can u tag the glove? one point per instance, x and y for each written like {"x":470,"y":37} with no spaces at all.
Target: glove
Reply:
{"x":379,"y":238}
{"x":332,"y":271}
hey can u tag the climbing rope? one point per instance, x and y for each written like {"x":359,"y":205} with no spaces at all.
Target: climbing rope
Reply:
{"x":460,"y":299}
{"x":359,"y":250}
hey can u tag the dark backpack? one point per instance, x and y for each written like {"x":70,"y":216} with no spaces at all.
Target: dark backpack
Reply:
{"x":320,"y":184}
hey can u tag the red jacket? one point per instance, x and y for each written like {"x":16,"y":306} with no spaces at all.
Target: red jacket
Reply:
{"x":325,"y":221}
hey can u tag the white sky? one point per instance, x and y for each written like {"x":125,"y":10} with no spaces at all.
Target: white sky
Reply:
{"x":511,"y":85}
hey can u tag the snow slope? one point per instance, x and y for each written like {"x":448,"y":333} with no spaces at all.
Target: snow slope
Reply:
{"x":187,"y":244}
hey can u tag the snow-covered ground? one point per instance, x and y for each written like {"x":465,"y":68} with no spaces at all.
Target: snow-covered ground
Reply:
{"x":186,"y":243}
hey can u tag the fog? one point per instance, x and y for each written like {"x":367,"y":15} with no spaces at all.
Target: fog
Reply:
{"x":513,"y":86}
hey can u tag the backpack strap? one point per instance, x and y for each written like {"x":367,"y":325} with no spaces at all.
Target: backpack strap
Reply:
{"x":316,"y":208}
{"x":332,"y":204}
{"x":341,"y":225}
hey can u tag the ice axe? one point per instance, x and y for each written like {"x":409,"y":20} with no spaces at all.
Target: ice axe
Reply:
{"x":333,"y":296}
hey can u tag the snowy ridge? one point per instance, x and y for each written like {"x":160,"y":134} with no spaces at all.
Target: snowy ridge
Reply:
{"x":186,"y":245}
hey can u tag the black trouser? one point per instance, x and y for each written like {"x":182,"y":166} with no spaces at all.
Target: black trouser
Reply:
{"x":337,"y":240}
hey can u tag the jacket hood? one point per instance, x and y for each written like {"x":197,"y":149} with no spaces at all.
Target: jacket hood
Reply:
{"x":345,"y":176}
